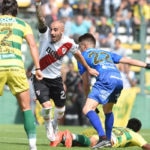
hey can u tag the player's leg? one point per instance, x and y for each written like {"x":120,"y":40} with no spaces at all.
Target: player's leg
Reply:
{"x":95,"y":98}
{"x":107,"y":108}
{"x":58,"y":114}
{"x":19,"y":86}
{"x":109,"y":119}
{"x":46,"y":113}
{"x":42,"y":92}
{"x":71,"y":139}
{"x":59,"y":96}
{"x":29,"y":120}
{"x":89,"y":111}
{"x":3,"y":79}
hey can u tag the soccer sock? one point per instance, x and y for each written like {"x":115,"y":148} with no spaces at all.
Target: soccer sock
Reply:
{"x":109,"y":121}
{"x":81,"y":139}
{"x":96,"y":122}
{"x":58,"y":114}
{"x":46,"y":113}
{"x":30,"y":127}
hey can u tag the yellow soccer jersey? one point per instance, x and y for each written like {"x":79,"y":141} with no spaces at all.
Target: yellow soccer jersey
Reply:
{"x":12,"y":32}
{"x":144,"y":9}
{"x":123,"y":137}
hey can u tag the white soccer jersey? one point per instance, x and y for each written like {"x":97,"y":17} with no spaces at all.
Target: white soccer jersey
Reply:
{"x":51,"y":54}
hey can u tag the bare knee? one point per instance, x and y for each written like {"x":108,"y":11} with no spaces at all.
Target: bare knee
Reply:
{"x":24,"y":100}
{"x":87,"y":108}
{"x":46,"y":104}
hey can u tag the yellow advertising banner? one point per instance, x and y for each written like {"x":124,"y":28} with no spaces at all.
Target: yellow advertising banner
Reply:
{"x":123,"y":108}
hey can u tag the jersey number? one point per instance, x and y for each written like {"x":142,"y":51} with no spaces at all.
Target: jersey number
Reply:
{"x":97,"y":60}
{"x":7,"y":31}
{"x":63,"y":95}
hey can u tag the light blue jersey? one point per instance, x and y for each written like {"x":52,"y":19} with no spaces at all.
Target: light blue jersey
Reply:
{"x":108,"y":85}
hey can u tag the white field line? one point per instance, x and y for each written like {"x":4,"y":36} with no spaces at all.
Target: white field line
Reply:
{"x":13,"y":139}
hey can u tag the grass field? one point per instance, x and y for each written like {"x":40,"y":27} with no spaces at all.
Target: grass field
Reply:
{"x":13,"y":137}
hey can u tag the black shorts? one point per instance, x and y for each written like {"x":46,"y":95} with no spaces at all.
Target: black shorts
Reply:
{"x":47,"y":89}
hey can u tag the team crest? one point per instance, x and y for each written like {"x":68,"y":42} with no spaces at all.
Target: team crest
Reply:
{"x":64,"y":49}
{"x":38,"y":92}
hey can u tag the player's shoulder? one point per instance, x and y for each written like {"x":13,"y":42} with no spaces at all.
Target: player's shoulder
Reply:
{"x":22,"y":22}
{"x":67,"y":38}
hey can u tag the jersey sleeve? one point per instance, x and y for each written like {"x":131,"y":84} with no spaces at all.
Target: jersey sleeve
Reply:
{"x":81,"y":68}
{"x":116,"y":58}
{"x":74,"y":47}
{"x":28,"y":30}
{"x":138,"y":140}
{"x":44,"y":36}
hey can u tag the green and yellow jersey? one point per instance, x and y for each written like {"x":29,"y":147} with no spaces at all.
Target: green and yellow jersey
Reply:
{"x":12,"y":32}
{"x":123,"y":137}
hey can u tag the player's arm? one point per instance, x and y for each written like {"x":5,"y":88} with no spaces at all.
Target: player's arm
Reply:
{"x":81,"y":59}
{"x":134,"y":62}
{"x":138,"y":140}
{"x":35,"y":55}
{"x":86,"y":83}
{"x":146,"y":147}
{"x":41,"y":20}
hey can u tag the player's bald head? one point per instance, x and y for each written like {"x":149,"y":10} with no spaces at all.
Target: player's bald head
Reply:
{"x":57,"y":24}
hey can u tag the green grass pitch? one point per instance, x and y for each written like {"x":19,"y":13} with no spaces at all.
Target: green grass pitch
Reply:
{"x":13,"y":137}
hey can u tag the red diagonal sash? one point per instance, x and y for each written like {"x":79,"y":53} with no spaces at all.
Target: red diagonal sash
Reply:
{"x":49,"y":59}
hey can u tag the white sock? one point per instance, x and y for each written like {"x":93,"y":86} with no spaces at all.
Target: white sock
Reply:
{"x":59,"y":113}
{"x":46,"y":113}
{"x":32,"y":143}
{"x":73,"y":136}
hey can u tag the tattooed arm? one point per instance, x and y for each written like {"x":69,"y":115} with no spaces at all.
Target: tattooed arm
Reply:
{"x":41,"y":20}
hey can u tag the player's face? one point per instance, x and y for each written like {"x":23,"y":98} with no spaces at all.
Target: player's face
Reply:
{"x":81,"y":46}
{"x":56,"y":31}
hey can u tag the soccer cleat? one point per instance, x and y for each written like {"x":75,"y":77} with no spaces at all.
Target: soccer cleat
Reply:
{"x":68,"y":138}
{"x":50,"y":131}
{"x":59,"y":137}
{"x":102,"y":144}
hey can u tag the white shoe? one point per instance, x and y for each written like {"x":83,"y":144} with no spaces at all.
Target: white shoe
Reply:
{"x":50,"y":131}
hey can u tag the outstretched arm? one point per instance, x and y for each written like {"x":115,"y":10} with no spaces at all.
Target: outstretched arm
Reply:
{"x":41,"y":20}
{"x":134,"y":62}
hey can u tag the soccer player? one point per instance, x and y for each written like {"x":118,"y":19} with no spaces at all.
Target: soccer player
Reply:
{"x":121,"y":137}
{"x":12,"y":72}
{"x":107,"y":87}
{"x":53,"y":46}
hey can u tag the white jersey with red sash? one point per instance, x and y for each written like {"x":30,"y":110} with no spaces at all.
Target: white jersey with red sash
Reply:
{"x":51,"y":54}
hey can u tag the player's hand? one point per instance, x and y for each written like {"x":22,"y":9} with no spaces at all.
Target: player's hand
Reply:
{"x":147,"y":66}
{"x":93,"y":72}
{"x":39,"y":74}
